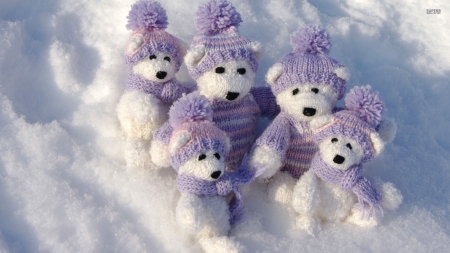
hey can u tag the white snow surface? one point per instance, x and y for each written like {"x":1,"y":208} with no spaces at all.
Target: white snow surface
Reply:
{"x":64,"y":186}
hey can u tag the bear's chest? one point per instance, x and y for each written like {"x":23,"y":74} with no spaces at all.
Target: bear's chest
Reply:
{"x":216,"y":212}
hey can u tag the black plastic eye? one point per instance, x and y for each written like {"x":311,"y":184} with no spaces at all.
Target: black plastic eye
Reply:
{"x":152,"y":57}
{"x":315,"y":90}
{"x":349,"y":146}
{"x":295,"y":92}
{"x":167,"y":58}
{"x":220,"y":70}
{"x":334,"y":140}
{"x":241,"y":71}
{"x":201,"y":157}
{"x":217,"y":156}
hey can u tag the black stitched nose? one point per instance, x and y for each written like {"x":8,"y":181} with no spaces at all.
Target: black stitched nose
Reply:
{"x":161,"y":74}
{"x":216,"y":174}
{"x":232,"y":95}
{"x":338,"y":159}
{"x":309,"y":111}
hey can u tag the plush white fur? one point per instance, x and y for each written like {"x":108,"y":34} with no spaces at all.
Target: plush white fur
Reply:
{"x":134,"y":43}
{"x":274,"y":73}
{"x":280,"y":189}
{"x":324,"y":101}
{"x":377,"y":143}
{"x":387,"y":130}
{"x":194,"y":56}
{"x":203,"y":168}
{"x":136,"y":153}
{"x":257,"y":49}
{"x":159,"y":154}
{"x":179,"y":141}
{"x":148,"y":68}
{"x":329,"y":150}
{"x":268,"y":157}
{"x":342,"y":72}
{"x":216,"y":86}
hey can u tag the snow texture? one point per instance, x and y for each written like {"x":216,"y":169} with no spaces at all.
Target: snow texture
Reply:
{"x":64,"y":186}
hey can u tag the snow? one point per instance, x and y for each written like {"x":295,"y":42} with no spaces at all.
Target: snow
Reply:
{"x":64,"y":186}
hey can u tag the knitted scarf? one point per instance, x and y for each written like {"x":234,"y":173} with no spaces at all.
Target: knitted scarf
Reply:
{"x":229,"y":182}
{"x":167,"y":92}
{"x":350,"y":180}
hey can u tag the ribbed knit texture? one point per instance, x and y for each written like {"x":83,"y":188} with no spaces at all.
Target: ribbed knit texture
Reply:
{"x":229,"y":182}
{"x":292,"y":140}
{"x":167,"y":92}
{"x":349,"y":180}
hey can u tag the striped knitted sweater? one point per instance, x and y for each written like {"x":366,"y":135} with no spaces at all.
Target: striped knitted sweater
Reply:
{"x":292,"y":140}
{"x":238,"y":119}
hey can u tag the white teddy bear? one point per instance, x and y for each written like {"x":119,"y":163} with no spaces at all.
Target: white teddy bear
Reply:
{"x":198,"y":150}
{"x":224,"y":65}
{"x":334,"y":189}
{"x":153,"y":57}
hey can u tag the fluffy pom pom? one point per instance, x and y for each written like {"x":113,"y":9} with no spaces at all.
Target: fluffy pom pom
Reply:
{"x":366,"y":103}
{"x":311,"y":40}
{"x":147,"y":15}
{"x":216,"y":16}
{"x":189,"y":108}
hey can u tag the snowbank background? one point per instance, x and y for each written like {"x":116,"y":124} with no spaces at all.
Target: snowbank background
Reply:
{"x":64,"y":186}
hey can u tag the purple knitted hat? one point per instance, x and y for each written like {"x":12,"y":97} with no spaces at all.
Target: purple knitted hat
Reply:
{"x":147,"y":19}
{"x":363,"y":113}
{"x":194,"y":132}
{"x":309,"y":62}
{"x":217,"y":22}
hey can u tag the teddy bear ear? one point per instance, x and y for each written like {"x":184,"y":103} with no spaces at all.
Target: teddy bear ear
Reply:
{"x":320,"y":122}
{"x":342,"y":72}
{"x":178,"y":141}
{"x":377,"y":143}
{"x":274,"y":73}
{"x":182,"y":48}
{"x":227,"y":144}
{"x":387,"y":129}
{"x":257,"y":49}
{"x":194,"y":56}
{"x":134,"y":43}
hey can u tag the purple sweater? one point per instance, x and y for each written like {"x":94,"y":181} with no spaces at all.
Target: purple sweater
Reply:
{"x":292,"y":140}
{"x":238,"y":120}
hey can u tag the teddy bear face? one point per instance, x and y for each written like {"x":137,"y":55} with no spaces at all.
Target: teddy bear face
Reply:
{"x":340,"y":152}
{"x":158,"y":67}
{"x":227,"y":81}
{"x":208,"y":165}
{"x":307,"y":101}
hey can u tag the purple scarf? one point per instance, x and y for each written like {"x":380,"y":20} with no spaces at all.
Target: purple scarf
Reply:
{"x":229,"y":182}
{"x":351,"y":179}
{"x":167,"y":92}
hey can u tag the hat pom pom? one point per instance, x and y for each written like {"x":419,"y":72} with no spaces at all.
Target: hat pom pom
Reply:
{"x":190,"y":108}
{"x":311,"y":40}
{"x":147,"y":15}
{"x":366,"y":103}
{"x":215,"y":17}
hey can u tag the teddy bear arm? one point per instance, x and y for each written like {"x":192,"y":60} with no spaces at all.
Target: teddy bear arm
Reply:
{"x":266,"y":101}
{"x":189,"y":212}
{"x":306,"y":195}
{"x":142,"y":107}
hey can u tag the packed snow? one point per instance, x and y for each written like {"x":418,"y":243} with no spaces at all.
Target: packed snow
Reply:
{"x":64,"y":184}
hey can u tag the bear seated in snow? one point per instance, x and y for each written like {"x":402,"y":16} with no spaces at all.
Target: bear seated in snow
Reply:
{"x":153,"y":57}
{"x":198,"y":150}
{"x":334,"y":188}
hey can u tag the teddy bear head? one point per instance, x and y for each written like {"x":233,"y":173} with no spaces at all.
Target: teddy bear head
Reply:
{"x":349,"y":137}
{"x":151,"y":52}
{"x":197,"y":146}
{"x":307,"y":82}
{"x":222,"y":62}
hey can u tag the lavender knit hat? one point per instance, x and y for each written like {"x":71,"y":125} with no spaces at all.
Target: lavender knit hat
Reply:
{"x":362,"y":116}
{"x":147,"y":19}
{"x":194,"y":132}
{"x":216,"y":23}
{"x":309,"y":63}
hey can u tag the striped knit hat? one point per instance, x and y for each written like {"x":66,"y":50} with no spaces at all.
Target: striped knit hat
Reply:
{"x":362,"y":116}
{"x":147,"y":19}
{"x":194,"y":132}
{"x":216,"y":23}
{"x":309,"y":63}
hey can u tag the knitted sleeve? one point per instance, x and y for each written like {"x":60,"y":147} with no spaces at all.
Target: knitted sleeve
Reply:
{"x":164,"y":133}
{"x":266,"y":101}
{"x":277,"y":135}
{"x":173,"y":91}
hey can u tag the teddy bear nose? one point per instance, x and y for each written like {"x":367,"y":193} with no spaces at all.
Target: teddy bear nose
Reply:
{"x":232,"y":95}
{"x":338,"y":159}
{"x":216,"y":174}
{"x":161,"y":74}
{"x":309,"y":111}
